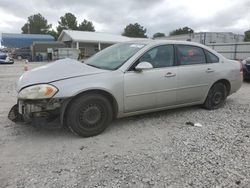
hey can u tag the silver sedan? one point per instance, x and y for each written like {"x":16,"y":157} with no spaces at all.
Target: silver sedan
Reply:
{"x":123,"y":80}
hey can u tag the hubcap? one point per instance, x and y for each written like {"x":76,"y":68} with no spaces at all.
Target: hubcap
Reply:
{"x":217,"y":98}
{"x":90,"y":115}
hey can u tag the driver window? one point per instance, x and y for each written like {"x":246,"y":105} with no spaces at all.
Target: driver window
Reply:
{"x":160,"y":56}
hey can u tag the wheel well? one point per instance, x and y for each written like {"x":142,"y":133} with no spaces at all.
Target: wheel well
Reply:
{"x":226,"y":83}
{"x":106,"y":94}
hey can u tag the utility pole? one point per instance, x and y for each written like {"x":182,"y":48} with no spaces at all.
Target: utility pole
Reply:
{"x":28,"y":27}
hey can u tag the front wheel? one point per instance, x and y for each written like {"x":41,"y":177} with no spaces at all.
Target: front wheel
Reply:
{"x":89,"y":115}
{"x":216,"y":96}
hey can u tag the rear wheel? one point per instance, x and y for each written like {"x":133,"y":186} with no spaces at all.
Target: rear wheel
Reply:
{"x":89,"y":115}
{"x":216,"y":96}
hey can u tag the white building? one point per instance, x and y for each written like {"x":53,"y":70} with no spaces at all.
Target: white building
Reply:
{"x":236,"y":50}
{"x":90,"y":42}
{"x":208,"y":37}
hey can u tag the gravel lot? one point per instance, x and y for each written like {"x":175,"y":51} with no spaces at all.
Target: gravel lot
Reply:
{"x":153,"y":150}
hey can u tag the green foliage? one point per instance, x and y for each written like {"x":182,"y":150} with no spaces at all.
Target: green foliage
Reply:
{"x":68,"y":21}
{"x":134,"y":30}
{"x":247,"y":36}
{"x":36,"y":24}
{"x":180,"y":31}
{"x":158,"y":34}
{"x":86,"y":26}
{"x":53,"y":33}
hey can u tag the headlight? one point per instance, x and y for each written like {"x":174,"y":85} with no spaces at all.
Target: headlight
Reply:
{"x":41,"y":91}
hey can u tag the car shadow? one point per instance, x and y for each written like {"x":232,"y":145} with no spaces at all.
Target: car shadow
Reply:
{"x":164,"y":114}
{"x":41,"y":128}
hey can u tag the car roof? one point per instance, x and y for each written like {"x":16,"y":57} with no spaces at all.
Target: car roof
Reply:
{"x":156,"y":41}
{"x":159,"y":42}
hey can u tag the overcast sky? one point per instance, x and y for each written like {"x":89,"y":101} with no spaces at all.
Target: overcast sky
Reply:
{"x":112,"y":16}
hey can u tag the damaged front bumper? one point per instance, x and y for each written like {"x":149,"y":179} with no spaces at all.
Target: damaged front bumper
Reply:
{"x":14,"y":114}
{"x":26,"y":110}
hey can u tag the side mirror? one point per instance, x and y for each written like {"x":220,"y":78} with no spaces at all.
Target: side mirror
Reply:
{"x":143,"y":66}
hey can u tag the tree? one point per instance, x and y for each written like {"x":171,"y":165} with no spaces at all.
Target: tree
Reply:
{"x":36,"y":24}
{"x":134,"y":30}
{"x":53,"y":33}
{"x":158,"y":34}
{"x":86,"y":26}
{"x":68,"y":21}
{"x":247,"y":36}
{"x":180,"y":31}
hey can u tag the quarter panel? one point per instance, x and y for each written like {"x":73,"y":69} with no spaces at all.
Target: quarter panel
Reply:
{"x":226,"y":70}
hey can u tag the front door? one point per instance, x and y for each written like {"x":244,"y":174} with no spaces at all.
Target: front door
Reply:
{"x":152,"y":88}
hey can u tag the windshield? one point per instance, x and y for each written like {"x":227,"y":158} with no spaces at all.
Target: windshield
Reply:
{"x":113,"y":57}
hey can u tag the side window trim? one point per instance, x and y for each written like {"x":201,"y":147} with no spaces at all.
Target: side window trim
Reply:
{"x":175,"y":63}
{"x":205,"y":55}
{"x":178,"y":57}
{"x":209,"y":59}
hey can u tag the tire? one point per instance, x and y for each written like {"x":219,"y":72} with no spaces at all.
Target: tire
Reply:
{"x":89,"y":115}
{"x":216,"y":97}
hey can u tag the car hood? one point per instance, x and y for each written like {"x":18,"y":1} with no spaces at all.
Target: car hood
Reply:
{"x":58,"y":70}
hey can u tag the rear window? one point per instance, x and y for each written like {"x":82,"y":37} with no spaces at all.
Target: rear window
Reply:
{"x":211,"y":58}
{"x":189,"y":55}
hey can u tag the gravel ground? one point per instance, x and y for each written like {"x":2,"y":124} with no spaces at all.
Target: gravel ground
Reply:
{"x":153,"y":150}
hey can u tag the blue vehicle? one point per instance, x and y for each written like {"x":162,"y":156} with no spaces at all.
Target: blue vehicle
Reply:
{"x":5,"y":58}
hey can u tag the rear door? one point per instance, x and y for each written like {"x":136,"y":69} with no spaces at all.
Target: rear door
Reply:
{"x":194,"y":75}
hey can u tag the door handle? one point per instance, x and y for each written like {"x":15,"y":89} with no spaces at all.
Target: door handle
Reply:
{"x":170,"y":74}
{"x":209,"y":70}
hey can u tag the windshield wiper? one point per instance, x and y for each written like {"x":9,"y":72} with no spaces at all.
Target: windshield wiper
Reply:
{"x":93,"y":65}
